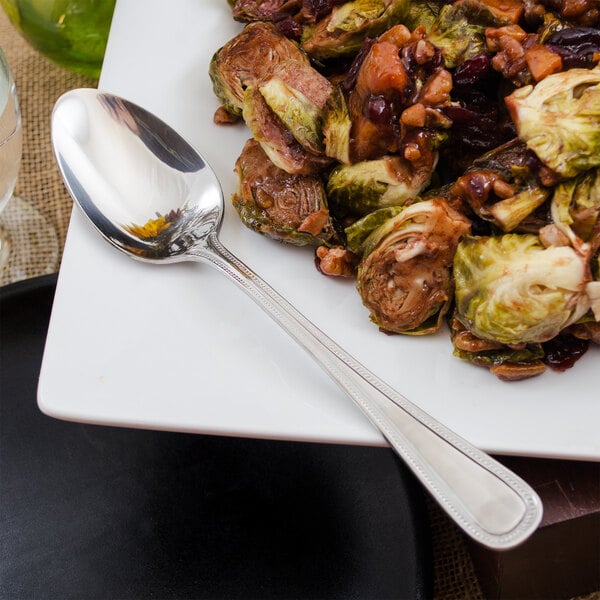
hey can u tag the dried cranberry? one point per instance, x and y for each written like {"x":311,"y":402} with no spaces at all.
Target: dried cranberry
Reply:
{"x":576,"y":46}
{"x":476,"y":131}
{"x":378,"y":110}
{"x":472,"y":72}
{"x":471,"y":135}
{"x":287,"y":26}
{"x":563,"y":351}
{"x":317,"y":9}
{"x":477,"y":100}
{"x":474,"y":80}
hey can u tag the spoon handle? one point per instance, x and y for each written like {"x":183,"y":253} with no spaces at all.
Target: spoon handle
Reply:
{"x":489,"y":502}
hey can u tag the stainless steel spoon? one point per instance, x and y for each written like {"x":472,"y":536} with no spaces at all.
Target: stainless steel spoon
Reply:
{"x":152,"y":196}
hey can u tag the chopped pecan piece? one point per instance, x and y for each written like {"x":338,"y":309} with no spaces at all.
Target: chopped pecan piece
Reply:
{"x":493,"y":36}
{"x":223,"y":117}
{"x":414,"y":116}
{"x":518,"y":371}
{"x":315,"y":223}
{"x":465,"y":340}
{"x":337,"y":261}
{"x":437,"y":89}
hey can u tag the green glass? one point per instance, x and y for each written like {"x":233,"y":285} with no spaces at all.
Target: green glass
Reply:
{"x":72,"y":33}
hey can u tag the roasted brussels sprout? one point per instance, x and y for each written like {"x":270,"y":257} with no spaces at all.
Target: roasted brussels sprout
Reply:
{"x":422,"y":13}
{"x":342,"y":32}
{"x":363,"y":187}
{"x":501,"y":187}
{"x":576,"y":209}
{"x":337,"y":126}
{"x":246,"y":59}
{"x":559,"y":119}
{"x":277,"y":141}
{"x":358,"y":233}
{"x":263,"y":10}
{"x":510,"y":289}
{"x":404,"y":277}
{"x":297,"y":94}
{"x":459,"y":30}
{"x":288,"y":208}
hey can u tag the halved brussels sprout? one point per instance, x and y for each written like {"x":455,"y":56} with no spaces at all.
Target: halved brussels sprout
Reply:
{"x":404,"y":277}
{"x":363,"y":187}
{"x":512,"y":290}
{"x":559,"y":119}
{"x":262,"y":10}
{"x":422,"y":12}
{"x":247,"y":58}
{"x":277,"y":141}
{"x":576,"y":208}
{"x":288,"y":208}
{"x":336,"y":127}
{"x":358,"y":233}
{"x":297,"y":94}
{"x":459,"y":30}
{"x":342,"y":32}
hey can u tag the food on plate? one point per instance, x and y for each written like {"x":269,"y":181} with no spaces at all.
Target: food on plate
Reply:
{"x":444,"y":154}
{"x":342,"y":32}
{"x":459,"y":29}
{"x":363,"y":187}
{"x":245,"y":59}
{"x":502,"y":187}
{"x":575,"y":210}
{"x":513,"y":290}
{"x":262,"y":10}
{"x":559,"y":119}
{"x":281,"y":205}
{"x":284,"y":112}
{"x":404,"y":274}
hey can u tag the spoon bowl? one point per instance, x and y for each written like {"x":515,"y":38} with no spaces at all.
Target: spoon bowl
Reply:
{"x":152,"y":196}
{"x":163,"y":211}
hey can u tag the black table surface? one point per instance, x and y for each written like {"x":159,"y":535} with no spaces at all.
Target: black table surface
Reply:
{"x":90,"y":511}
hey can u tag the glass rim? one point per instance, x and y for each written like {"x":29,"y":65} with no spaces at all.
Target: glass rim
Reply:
{"x":12,"y":93}
{"x":5,"y":66}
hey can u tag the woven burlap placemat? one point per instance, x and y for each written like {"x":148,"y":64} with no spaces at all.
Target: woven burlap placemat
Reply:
{"x":39,"y":84}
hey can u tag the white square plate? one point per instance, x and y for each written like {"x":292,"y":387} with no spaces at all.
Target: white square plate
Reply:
{"x":180,"y":348}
